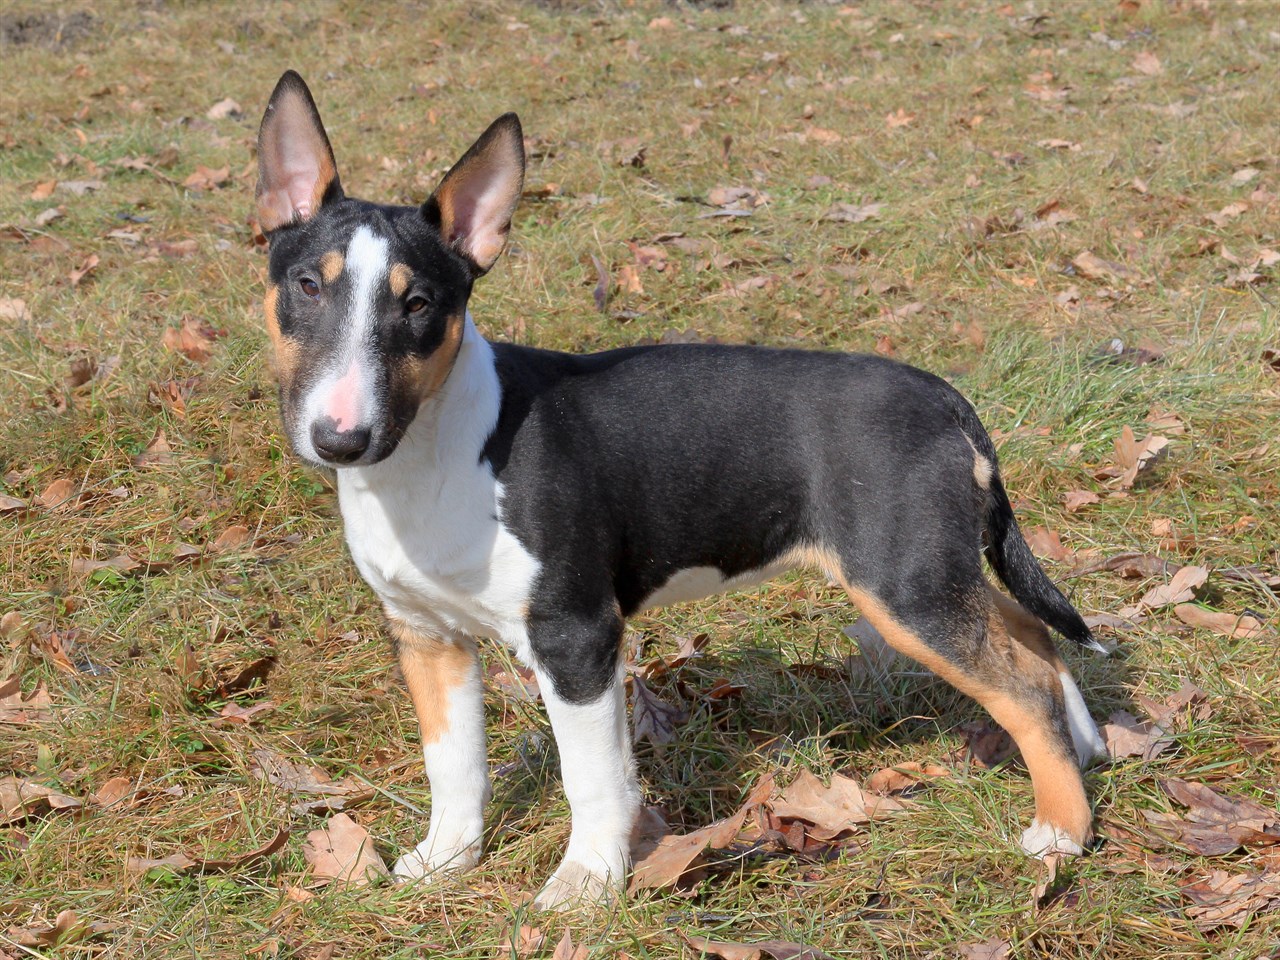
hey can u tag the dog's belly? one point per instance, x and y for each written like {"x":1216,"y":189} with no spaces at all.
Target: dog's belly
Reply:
{"x":694,"y":583}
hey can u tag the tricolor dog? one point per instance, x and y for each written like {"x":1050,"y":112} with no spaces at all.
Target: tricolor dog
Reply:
{"x":539,"y":499}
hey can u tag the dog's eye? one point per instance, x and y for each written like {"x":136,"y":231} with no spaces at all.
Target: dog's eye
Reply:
{"x":310,"y":288}
{"x":415,"y":305}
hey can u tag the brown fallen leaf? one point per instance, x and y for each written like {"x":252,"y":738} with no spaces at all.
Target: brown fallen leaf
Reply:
{"x":835,"y":809}
{"x":19,"y":708}
{"x":1246,"y":822}
{"x":673,"y":856}
{"x":11,"y":504}
{"x":1047,"y":887}
{"x":1047,"y":545}
{"x":333,"y":795}
{"x":1231,"y":900}
{"x":899,"y":118}
{"x":223,"y":109}
{"x":232,"y":538}
{"x":1181,"y":588}
{"x":1092,"y":267}
{"x":20,"y":799}
{"x":993,"y":949}
{"x":1228,"y":625}
{"x":739,"y":198}
{"x":207,"y":178}
{"x":525,"y":941}
{"x":115,"y":792}
{"x":194,"y":339}
{"x":54,"y":647}
{"x":67,"y":929}
{"x":1077,"y":500}
{"x":1133,"y":457}
{"x":653,"y":718}
{"x":157,"y":452}
{"x":776,"y":949}
{"x":988,"y":743}
{"x":1147,"y":63}
{"x":122,"y":563}
{"x":44,"y":189}
{"x":520,"y":683}
{"x":565,"y":950}
{"x":233,"y":714}
{"x":87,"y":266}
{"x":1131,"y":566}
{"x":342,"y":851}
{"x":57,"y":495}
{"x":1127,"y":736}
{"x":185,"y":863}
{"x":1227,"y":213}
{"x":904,"y":777}
{"x":851,"y":213}
{"x":247,"y":678}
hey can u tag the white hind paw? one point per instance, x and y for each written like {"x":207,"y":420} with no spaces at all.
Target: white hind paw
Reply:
{"x":1041,"y":840}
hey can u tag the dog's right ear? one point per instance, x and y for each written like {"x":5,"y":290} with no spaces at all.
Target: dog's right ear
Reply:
{"x":296,"y":172}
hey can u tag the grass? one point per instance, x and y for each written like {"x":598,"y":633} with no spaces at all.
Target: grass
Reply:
{"x":770,"y":95}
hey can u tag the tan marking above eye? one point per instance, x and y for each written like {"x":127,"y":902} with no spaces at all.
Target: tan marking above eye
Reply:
{"x":399,"y":278}
{"x":331,"y":265}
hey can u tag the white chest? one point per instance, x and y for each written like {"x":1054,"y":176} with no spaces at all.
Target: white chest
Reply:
{"x":424,"y":527}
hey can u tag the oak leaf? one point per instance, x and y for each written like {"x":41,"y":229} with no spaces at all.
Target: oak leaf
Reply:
{"x":342,"y":851}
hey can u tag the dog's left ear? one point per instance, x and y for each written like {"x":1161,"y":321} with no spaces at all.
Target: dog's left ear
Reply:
{"x":473,"y":205}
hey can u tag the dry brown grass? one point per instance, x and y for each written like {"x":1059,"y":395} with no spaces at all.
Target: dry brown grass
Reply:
{"x":804,"y":91}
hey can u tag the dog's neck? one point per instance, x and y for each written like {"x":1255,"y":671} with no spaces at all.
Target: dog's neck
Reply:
{"x":451,"y":426}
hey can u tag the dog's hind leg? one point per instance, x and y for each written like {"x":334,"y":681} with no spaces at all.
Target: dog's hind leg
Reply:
{"x":444,"y":681}
{"x":1030,"y":631}
{"x":943,"y":616}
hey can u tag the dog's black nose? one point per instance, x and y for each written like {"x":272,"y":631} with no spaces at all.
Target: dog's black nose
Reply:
{"x":339,"y":446}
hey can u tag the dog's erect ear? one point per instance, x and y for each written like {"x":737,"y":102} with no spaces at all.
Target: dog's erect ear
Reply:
{"x":473,"y":205}
{"x":296,"y":172}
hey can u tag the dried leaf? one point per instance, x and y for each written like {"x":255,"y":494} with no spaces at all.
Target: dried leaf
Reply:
{"x":904,"y":777}
{"x":739,"y":198}
{"x":67,"y":929}
{"x":334,"y":795}
{"x":184,"y":863}
{"x":899,"y":118}
{"x":194,"y":339}
{"x":235,"y":715}
{"x":1131,"y":566}
{"x":1077,"y":500}
{"x":20,"y":799}
{"x":1148,"y":63}
{"x":11,"y":504}
{"x":1047,"y":545}
{"x":673,"y":856}
{"x":89,"y":264}
{"x":1127,"y":736}
{"x":12,"y":308}
{"x":988,"y":743}
{"x":992,"y":949}
{"x":525,"y":942}
{"x":57,"y":495}
{"x":565,"y":950}
{"x":1231,"y":900}
{"x":776,"y":949}
{"x":342,"y":851}
{"x":207,"y":178}
{"x":232,"y":538}
{"x":520,"y":685}
{"x":1228,"y":625}
{"x":652,"y":717}
{"x":157,"y":452}
{"x":1181,"y":588}
{"x":223,"y":109}
{"x":1092,"y":267}
{"x":851,"y":213}
{"x":1247,"y":823}
{"x":601,"y":292}
{"x":17,"y":708}
{"x":122,"y":563}
{"x":1133,"y":458}
{"x":833,"y":809}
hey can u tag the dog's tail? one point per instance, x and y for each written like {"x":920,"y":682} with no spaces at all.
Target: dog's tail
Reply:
{"x":1008,"y":552}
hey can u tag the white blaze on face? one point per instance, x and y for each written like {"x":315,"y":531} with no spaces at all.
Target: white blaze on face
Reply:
{"x":345,"y":391}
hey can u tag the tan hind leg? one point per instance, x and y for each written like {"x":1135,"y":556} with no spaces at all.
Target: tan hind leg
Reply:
{"x":1019,"y":684}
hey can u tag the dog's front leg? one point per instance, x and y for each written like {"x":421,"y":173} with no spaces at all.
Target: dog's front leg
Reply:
{"x":443,"y":677}
{"x":600,"y":782}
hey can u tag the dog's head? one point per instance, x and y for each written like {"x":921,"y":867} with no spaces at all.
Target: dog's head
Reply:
{"x":367,"y":303}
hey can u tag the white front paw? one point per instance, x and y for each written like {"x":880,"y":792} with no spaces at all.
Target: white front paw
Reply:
{"x":433,"y":856}
{"x":575,"y":884}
